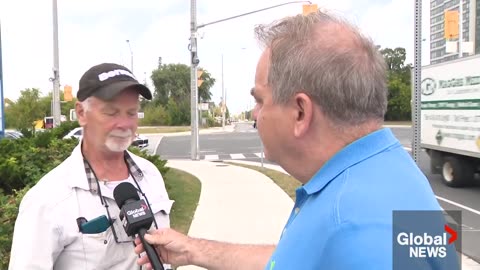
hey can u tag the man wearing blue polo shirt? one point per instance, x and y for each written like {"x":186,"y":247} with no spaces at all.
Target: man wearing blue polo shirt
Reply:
{"x":321,"y":95}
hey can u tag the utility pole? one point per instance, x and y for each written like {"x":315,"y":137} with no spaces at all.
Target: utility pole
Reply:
{"x":131,"y":56}
{"x":56,"y":112}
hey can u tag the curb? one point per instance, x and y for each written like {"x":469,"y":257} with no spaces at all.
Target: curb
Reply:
{"x":157,"y":145}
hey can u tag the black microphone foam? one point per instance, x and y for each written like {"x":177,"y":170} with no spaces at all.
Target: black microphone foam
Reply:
{"x":124,"y":192}
{"x":134,"y":212}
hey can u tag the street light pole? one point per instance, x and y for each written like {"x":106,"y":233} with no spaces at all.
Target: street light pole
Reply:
{"x":223,"y":99}
{"x":131,"y":56}
{"x":56,"y":113}
{"x":195,"y":61}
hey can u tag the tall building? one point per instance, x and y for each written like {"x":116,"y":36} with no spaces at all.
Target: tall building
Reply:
{"x":470,"y":23}
{"x":477,"y":28}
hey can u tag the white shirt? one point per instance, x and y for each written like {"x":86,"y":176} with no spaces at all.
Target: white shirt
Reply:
{"x":46,"y":234}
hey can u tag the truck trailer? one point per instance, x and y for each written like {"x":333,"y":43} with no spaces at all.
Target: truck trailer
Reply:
{"x":450,"y":119}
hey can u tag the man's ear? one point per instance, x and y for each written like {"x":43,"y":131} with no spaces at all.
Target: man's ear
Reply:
{"x":303,"y":107}
{"x":81,"y":113}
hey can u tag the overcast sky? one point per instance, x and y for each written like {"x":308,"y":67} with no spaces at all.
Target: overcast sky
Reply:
{"x":95,"y":31}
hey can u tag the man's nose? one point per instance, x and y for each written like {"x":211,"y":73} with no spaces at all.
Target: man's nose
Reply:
{"x":126,"y":122}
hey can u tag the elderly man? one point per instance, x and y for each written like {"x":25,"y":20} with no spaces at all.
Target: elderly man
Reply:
{"x":69,"y":219}
{"x":321,"y":95}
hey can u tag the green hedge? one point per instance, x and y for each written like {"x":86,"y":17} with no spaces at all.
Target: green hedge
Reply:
{"x":24,"y":161}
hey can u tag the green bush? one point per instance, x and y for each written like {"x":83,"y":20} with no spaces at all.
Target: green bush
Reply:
{"x":179,"y":112}
{"x":155,"y":116}
{"x":24,"y":161}
{"x":8,"y":213}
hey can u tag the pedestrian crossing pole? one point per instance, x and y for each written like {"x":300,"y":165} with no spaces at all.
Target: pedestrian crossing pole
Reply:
{"x":194,"y":146}
{"x":195,"y":61}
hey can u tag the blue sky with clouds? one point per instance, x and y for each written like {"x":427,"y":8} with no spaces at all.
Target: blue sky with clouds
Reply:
{"x":92,"y":31}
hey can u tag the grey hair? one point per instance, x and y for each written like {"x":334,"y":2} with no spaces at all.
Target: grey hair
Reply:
{"x":328,"y":59}
{"x":87,"y":104}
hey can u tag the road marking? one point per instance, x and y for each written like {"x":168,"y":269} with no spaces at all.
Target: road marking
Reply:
{"x":459,"y":205}
{"x":208,"y":151}
{"x":260,"y":155}
{"x":211,"y":157}
{"x":237,"y":156}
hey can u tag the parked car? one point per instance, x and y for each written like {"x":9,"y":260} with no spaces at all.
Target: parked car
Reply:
{"x":13,"y":134}
{"x":140,"y":141}
{"x":75,"y":133}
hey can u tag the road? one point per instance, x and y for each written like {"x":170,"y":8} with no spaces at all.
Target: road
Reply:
{"x":244,"y":143}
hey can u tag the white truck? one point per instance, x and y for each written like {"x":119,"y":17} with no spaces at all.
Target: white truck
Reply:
{"x":450,"y":119}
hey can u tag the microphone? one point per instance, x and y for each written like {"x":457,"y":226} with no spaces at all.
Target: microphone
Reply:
{"x":136,"y":218}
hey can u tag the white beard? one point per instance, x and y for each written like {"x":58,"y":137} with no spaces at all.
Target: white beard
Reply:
{"x":119,"y":141}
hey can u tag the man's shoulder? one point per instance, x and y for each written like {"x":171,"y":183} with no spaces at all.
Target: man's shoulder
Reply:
{"x":369,"y":192}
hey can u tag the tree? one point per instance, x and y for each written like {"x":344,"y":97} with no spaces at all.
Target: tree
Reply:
{"x":173,"y":80}
{"x":179,"y":112}
{"x":30,"y":107}
{"x":399,"y":107}
{"x":22,"y":113}
{"x":399,"y":84}
{"x":65,"y":106}
{"x":172,"y":91}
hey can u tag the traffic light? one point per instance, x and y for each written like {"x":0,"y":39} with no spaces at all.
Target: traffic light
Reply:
{"x":67,"y":93}
{"x":307,"y":9}
{"x":199,"y":80}
{"x":451,"y":24}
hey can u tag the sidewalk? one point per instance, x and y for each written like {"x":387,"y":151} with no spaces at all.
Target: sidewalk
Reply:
{"x":236,"y":204}
{"x":240,"y":205}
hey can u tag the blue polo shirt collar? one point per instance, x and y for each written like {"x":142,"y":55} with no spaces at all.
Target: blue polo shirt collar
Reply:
{"x":361,"y":149}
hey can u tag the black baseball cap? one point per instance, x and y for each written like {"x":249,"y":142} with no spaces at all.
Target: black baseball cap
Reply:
{"x":107,"y":80}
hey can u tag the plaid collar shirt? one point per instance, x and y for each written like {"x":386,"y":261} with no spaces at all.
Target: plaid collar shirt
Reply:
{"x":133,"y":170}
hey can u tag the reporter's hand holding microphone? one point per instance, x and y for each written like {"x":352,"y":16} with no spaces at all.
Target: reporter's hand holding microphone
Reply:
{"x":173,"y":247}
